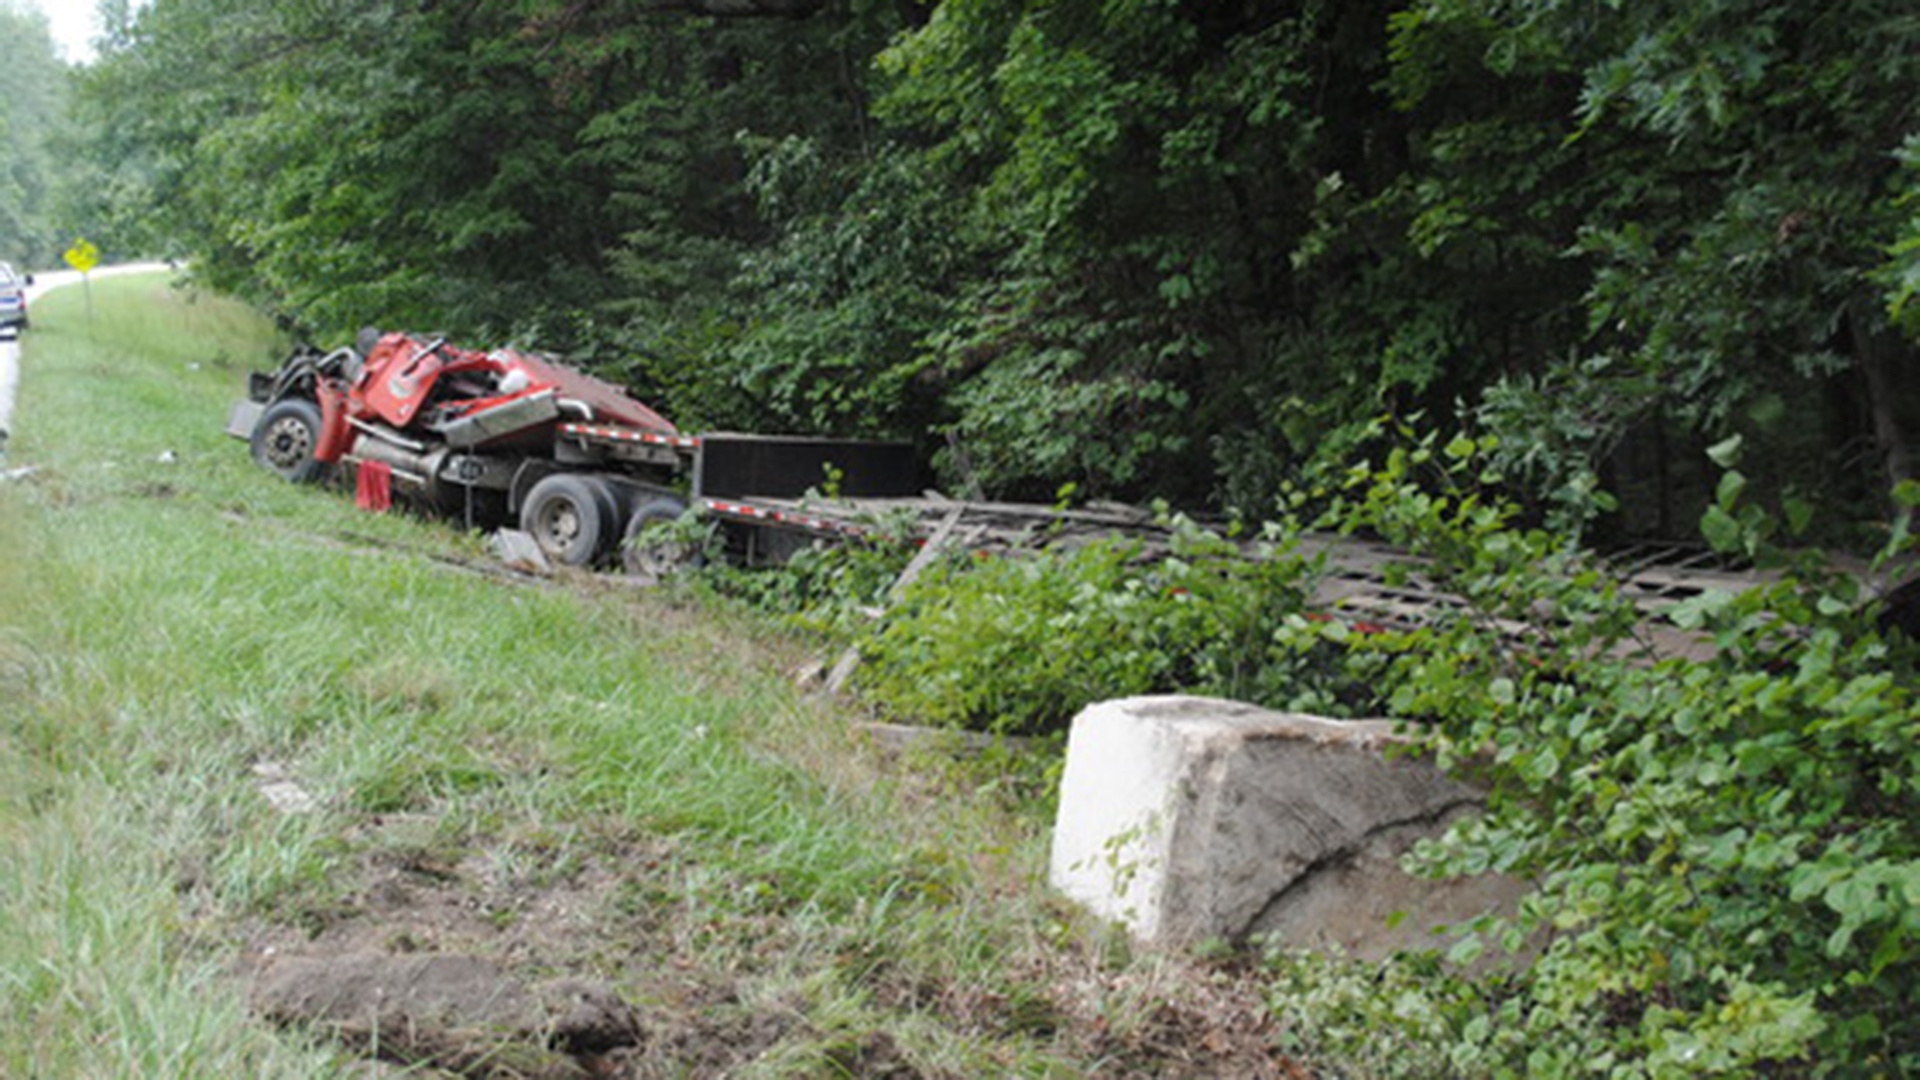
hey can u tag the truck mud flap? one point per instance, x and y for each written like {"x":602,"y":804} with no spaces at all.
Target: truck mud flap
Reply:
{"x":244,"y":418}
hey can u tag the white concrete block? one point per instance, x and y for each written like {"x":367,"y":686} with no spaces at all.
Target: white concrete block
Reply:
{"x":1187,"y":818}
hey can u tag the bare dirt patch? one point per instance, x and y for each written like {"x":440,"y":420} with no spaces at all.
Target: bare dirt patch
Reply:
{"x":465,"y":950}
{"x":461,"y":1013}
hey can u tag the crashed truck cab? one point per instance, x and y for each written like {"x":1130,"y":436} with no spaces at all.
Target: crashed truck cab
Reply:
{"x":479,"y":434}
{"x":506,"y":435}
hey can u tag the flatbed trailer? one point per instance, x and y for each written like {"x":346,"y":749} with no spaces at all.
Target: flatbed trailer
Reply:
{"x":978,"y":524}
{"x":1370,"y":584}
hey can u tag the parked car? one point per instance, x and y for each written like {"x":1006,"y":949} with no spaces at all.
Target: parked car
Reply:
{"x":13,"y":298}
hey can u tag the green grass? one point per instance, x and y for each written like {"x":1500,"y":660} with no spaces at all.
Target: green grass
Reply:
{"x":173,"y":616}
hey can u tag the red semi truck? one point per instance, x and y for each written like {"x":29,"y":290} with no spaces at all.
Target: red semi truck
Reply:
{"x":505,"y":435}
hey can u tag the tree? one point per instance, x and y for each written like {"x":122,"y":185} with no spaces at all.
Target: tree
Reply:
{"x":495,"y":168}
{"x":1258,"y":226}
{"x":1148,"y":247}
{"x":1740,"y":191}
{"x":33,"y":86}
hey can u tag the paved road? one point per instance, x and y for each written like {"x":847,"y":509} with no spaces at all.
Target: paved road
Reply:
{"x":44,"y":283}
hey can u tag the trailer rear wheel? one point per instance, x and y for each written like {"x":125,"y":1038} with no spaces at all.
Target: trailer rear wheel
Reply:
{"x":654,"y":559}
{"x":571,"y":517}
{"x":285,"y":438}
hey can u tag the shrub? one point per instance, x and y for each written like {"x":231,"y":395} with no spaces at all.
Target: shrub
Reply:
{"x":1019,"y":644}
{"x":1726,"y":848}
{"x":825,"y":588}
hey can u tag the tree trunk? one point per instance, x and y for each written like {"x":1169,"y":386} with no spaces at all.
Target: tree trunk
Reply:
{"x":1878,"y":355}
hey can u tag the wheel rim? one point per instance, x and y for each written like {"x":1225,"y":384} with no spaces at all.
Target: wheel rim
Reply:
{"x":557,"y":525}
{"x":289,"y":443}
{"x":651,"y":557}
{"x":657,"y":561}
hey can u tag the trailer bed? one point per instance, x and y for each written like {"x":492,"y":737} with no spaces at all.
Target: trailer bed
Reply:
{"x":1369,"y":584}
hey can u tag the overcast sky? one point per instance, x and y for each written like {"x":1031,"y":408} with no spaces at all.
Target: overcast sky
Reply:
{"x":74,"y":26}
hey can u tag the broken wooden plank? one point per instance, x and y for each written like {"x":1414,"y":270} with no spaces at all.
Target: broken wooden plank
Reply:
{"x":843,"y":668}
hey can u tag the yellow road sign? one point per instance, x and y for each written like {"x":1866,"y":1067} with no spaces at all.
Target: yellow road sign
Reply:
{"x":82,"y":256}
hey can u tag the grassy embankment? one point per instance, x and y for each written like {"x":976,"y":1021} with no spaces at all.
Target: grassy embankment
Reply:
{"x":574,"y":779}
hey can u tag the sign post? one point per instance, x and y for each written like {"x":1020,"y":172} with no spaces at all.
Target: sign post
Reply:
{"x":83,"y":256}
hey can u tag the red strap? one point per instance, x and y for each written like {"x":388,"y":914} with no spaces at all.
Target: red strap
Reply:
{"x":373,"y":486}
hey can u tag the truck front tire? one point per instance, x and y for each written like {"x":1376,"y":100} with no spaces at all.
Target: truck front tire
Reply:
{"x":285,"y":438}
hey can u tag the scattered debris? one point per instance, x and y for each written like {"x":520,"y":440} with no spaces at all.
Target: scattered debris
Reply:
{"x":843,"y":668}
{"x":278,"y":787}
{"x":167,"y":457}
{"x":21,"y":473}
{"x":520,"y":551}
{"x":842,"y":672}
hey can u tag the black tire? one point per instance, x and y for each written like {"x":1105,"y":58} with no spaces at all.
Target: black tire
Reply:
{"x":653,"y":561}
{"x":285,"y":438}
{"x":571,"y":517}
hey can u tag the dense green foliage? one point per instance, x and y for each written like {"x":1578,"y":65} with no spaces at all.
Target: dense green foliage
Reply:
{"x":576,"y":175}
{"x":1241,"y":231}
{"x":1726,"y":850}
{"x":33,"y":92}
{"x":1145,"y":246}
{"x":1017,"y":645}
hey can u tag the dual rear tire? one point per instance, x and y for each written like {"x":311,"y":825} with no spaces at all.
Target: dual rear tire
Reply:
{"x":650,"y":557}
{"x":577,"y":520}
{"x":572,"y":517}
